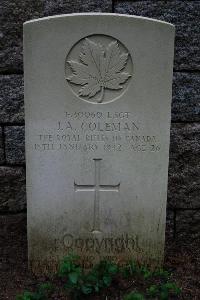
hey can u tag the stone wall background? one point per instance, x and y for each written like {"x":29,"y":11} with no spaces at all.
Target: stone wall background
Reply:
{"x":184,"y":169}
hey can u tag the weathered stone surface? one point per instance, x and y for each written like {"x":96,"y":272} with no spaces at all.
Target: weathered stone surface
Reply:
{"x":11,"y":99}
{"x":14,"y":144}
{"x":12,"y":189}
{"x":183,"y":14}
{"x":97,"y":144}
{"x":187,"y":224}
{"x":186,"y":97}
{"x":1,"y":147}
{"x":14,"y":13}
{"x":184,"y":167}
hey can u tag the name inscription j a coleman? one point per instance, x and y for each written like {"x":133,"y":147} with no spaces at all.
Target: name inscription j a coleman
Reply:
{"x":92,"y":131}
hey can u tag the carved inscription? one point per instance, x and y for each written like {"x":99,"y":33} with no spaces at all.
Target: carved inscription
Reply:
{"x":96,"y":188}
{"x":96,"y":130}
{"x":108,"y":247}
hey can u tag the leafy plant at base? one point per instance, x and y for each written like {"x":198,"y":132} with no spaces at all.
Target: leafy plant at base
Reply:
{"x":79,"y":282}
{"x":25,"y":296}
{"x":134,"y":296}
{"x":99,"y":69}
{"x":153,"y":291}
{"x":161,"y":274}
{"x":145,"y":272}
{"x":163,"y":291}
{"x":132,"y":269}
{"x":43,"y":292}
{"x":167,"y":289}
{"x":70,"y":268}
{"x":129,"y":270}
{"x":102,"y":274}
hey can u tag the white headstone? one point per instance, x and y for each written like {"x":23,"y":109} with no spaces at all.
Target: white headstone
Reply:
{"x":97,"y":101}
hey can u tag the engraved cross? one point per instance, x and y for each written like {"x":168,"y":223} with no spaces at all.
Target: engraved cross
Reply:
{"x":97,"y":188}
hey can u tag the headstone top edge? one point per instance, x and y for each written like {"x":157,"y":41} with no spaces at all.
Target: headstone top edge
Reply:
{"x":92,"y":14}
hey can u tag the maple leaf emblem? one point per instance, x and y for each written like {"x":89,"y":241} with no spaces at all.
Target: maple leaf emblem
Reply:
{"x":99,"y":68}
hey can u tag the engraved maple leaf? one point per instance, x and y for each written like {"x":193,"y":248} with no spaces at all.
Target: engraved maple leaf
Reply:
{"x":99,"y":68}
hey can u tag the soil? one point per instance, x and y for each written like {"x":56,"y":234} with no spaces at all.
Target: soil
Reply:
{"x":182,"y":258}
